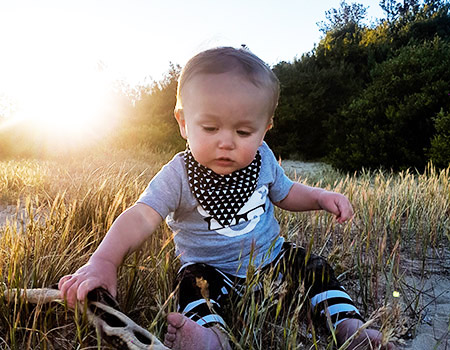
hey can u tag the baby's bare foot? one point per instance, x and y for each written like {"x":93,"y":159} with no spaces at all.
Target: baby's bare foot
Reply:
{"x":185,"y":334}
{"x":366,"y":339}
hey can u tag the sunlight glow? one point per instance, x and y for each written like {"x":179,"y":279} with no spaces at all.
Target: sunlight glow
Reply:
{"x":65,"y":110}
{"x":64,"y":104}
{"x":52,"y":80}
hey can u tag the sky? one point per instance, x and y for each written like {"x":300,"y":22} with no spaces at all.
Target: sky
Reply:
{"x":46,"y":45}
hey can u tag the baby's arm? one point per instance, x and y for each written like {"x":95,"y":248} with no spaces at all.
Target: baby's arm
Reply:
{"x":126,"y":234}
{"x":303,"y":198}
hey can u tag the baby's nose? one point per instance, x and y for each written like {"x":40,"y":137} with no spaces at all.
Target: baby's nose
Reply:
{"x":226,"y":140}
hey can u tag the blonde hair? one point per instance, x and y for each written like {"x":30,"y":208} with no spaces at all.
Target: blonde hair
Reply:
{"x":228,"y":59}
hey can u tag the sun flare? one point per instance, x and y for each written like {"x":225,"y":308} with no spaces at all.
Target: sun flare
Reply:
{"x":68,"y":106}
{"x":53,"y":80}
{"x":65,"y":109}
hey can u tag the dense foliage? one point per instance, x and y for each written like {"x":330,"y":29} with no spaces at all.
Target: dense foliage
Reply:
{"x":370,"y":96}
{"x":150,"y":122}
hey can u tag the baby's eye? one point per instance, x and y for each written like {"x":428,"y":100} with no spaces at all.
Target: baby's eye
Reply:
{"x":243,"y":133}
{"x":209,"y":128}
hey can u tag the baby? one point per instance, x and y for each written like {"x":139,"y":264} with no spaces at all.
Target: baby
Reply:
{"x":218,"y":198}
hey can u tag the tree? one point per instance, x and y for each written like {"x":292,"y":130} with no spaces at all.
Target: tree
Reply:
{"x":151,"y":123}
{"x":391,"y":8}
{"x":316,"y":86}
{"x":410,"y":22}
{"x":391,"y":123}
{"x":440,"y":144}
{"x":339,"y":18}
{"x":310,"y":96}
{"x":395,"y":10}
{"x":367,"y":96}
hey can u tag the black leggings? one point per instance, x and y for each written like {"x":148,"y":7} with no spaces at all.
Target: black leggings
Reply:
{"x":204,"y":290}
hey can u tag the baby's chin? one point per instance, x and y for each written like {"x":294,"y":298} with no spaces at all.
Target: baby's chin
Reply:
{"x":222,"y":171}
{"x":222,"y":166}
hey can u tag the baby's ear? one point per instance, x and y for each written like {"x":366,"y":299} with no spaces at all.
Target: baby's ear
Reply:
{"x":268,"y":127}
{"x":179,"y":116}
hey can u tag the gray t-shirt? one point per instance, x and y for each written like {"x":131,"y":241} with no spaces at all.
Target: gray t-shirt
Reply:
{"x":199,"y":238}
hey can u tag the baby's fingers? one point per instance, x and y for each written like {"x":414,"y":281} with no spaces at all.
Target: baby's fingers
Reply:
{"x":345,"y":212}
{"x":86,"y":286}
{"x":66,"y":284}
{"x":63,"y":280}
{"x":69,"y":289}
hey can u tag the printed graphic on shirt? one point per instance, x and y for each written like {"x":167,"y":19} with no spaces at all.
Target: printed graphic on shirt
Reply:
{"x":250,"y":213}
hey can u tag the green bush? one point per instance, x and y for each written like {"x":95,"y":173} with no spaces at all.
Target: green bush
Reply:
{"x":391,"y":123}
{"x":440,"y":144}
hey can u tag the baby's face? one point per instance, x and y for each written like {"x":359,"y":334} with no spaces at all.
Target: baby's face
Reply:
{"x":224,"y":118}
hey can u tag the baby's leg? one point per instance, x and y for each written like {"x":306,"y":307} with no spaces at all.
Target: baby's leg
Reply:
{"x":330,"y":301}
{"x":360,"y":338}
{"x":202,"y":290}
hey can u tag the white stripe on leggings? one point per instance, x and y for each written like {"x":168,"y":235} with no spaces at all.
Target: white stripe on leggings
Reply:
{"x":318,"y":298}
{"x":334,"y":309}
{"x":211,"y":318}
{"x":196,"y":303}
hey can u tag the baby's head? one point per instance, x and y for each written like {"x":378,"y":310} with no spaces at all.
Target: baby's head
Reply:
{"x":225,"y":103}
{"x":234,"y":61}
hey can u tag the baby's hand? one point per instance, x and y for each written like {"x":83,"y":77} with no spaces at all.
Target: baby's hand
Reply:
{"x":96,"y":273}
{"x":336,"y":204}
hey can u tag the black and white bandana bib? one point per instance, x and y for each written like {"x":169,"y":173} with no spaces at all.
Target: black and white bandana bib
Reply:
{"x":222,"y":196}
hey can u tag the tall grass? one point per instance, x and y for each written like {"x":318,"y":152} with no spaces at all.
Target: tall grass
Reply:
{"x":65,"y":206}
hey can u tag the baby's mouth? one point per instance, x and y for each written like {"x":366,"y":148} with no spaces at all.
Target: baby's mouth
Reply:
{"x":224,"y":160}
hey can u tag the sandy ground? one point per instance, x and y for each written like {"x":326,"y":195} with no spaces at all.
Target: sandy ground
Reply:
{"x":433,"y":289}
{"x":431,"y":330}
{"x":6,"y":212}
{"x":295,"y":168}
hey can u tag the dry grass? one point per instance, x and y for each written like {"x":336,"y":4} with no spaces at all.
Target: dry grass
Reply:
{"x":67,"y":206}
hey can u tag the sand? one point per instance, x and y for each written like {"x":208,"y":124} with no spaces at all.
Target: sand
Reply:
{"x":296,"y":168}
{"x":7,"y":212}
{"x":433,"y":289}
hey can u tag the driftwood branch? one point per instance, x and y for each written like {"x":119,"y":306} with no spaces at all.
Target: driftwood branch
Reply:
{"x":117,"y":328}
